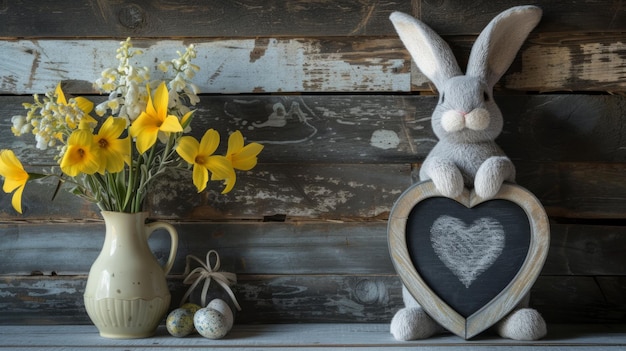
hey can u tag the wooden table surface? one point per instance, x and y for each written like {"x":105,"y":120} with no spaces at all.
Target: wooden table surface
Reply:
{"x":309,"y":336}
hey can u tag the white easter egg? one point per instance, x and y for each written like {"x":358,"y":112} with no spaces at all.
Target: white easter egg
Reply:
{"x":222,"y":307}
{"x":210,"y":323}
{"x":179,"y":322}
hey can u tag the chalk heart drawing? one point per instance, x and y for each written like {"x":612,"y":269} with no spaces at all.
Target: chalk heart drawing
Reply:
{"x":467,"y":250}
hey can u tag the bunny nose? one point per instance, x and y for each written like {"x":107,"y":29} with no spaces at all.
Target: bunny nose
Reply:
{"x":478,"y":119}
{"x":454,"y":121}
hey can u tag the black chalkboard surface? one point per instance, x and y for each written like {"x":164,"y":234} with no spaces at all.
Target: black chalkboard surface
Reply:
{"x":468,"y":261}
{"x":467,"y":256}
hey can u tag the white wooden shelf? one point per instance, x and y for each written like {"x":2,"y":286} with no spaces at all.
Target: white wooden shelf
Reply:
{"x":309,"y":336}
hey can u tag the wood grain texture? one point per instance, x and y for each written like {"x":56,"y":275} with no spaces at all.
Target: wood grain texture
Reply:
{"x":244,"y":247}
{"x":188,"y":18}
{"x":563,"y":138}
{"x":316,"y":337}
{"x":293,"y":18}
{"x":550,"y":62}
{"x":319,"y":129}
{"x":558,"y":16}
{"x":227,"y":65}
{"x":315,"y":191}
{"x":313,"y":247}
{"x":311,"y":299}
{"x":271,"y":65}
{"x":354,"y":117}
{"x":567,"y":190}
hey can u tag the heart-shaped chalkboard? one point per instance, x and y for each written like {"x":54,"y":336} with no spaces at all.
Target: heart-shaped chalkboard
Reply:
{"x":468,"y":261}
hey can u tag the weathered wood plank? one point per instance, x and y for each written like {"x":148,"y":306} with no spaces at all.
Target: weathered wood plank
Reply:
{"x":547,"y":63}
{"x":385,"y":128}
{"x":227,"y":66}
{"x":188,"y":18}
{"x":324,"y":191}
{"x":459,"y":17}
{"x":576,"y":190}
{"x":252,"y":248}
{"x":284,"y":18}
{"x":553,"y":62}
{"x":287,"y":248}
{"x":306,"y":298}
{"x":592,"y":250}
{"x":336,"y":192}
{"x":561,"y":62}
{"x":568,"y":150}
{"x":576,"y":299}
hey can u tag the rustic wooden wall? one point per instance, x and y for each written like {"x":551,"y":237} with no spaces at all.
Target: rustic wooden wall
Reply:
{"x":306,"y":230}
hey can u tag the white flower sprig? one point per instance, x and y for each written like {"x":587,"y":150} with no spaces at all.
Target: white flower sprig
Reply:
{"x":127,"y":84}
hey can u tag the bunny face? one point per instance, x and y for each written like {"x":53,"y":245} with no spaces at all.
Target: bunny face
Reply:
{"x":466,"y":112}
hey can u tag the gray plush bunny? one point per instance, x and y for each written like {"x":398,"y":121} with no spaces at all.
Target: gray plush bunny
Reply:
{"x":467,"y":122}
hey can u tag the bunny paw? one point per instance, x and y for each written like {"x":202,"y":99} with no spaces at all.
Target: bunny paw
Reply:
{"x":491,"y":174}
{"x":522,"y":324}
{"x":486,"y":188}
{"x":447,"y":179}
{"x":413,"y":323}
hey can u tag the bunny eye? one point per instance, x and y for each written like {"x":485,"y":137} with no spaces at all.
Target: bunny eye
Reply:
{"x":485,"y":96}
{"x":442,"y":98}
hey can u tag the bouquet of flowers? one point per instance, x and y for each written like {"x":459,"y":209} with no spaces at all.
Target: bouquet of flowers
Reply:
{"x":111,"y":161}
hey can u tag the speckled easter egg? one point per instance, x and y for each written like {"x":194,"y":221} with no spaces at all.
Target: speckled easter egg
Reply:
{"x":179,"y":322}
{"x":222,"y":307}
{"x":210,"y":323}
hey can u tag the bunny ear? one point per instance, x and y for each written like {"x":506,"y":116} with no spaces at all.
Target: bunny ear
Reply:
{"x":431,"y":54}
{"x":496,"y":46}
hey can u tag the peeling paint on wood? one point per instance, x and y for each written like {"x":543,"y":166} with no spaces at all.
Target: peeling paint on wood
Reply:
{"x":227,"y":66}
{"x":308,"y":65}
{"x":601,"y":65}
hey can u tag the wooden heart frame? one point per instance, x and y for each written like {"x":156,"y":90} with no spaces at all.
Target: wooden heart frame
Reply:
{"x":503,"y":302}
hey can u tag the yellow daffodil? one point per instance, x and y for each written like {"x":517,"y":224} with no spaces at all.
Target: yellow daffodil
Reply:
{"x":15,"y":177}
{"x":153,"y":120}
{"x":200,"y":155}
{"x":114,"y":152}
{"x":81,"y":155}
{"x":82,"y":103}
{"x":242,"y":157}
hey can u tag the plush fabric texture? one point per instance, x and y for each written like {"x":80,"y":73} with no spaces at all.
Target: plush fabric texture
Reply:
{"x":522,"y":324}
{"x":412,"y":323}
{"x":467,"y":121}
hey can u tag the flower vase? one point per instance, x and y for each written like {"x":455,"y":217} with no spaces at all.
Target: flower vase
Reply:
{"x":126,"y":294}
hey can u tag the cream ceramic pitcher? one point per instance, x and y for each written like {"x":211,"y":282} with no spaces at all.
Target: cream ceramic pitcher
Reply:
{"x":127,"y":294}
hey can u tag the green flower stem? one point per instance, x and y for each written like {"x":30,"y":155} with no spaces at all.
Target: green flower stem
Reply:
{"x":130,"y":185}
{"x":114,"y":191}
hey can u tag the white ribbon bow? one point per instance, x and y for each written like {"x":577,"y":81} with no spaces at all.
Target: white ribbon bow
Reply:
{"x":207,"y":273}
